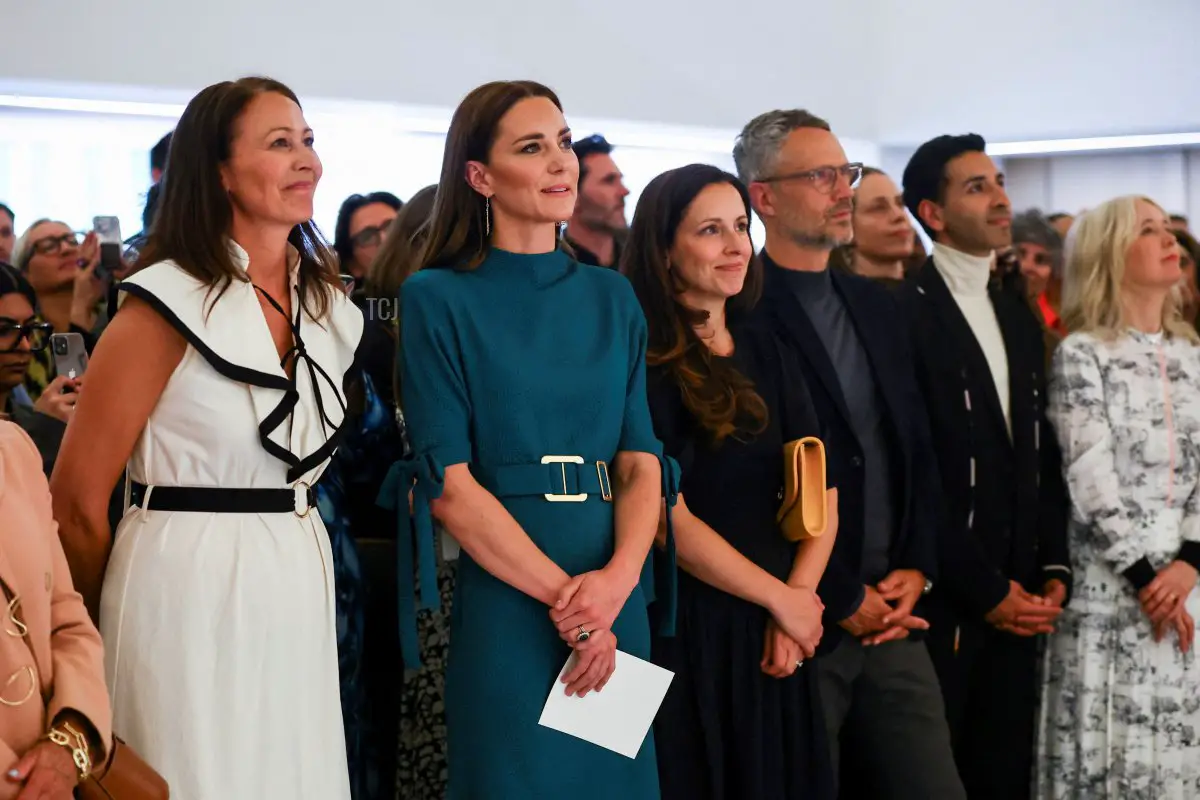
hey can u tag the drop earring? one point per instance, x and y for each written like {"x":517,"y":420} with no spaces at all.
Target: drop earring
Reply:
{"x":487,"y":215}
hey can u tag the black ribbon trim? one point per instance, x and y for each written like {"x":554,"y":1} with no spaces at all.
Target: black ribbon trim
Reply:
{"x":291,"y":396}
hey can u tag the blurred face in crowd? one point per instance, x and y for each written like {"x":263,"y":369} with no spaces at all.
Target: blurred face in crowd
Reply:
{"x":1035,"y":261}
{"x":272,"y":170}
{"x":54,"y":259}
{"x":882,"y":231}
{"x":975,"y":216}
{"x":1191,"y":292}
{"x":1152,"y":262}
{"x":602,"y":193}
{"x":15,"y":354}
{"x":368,"y":227}
{"x":711,"y":252}
{"x":532,"y":171}
{"x":8,"y":237}
{"x":808,"y":198}
{"x":1179,"y":224}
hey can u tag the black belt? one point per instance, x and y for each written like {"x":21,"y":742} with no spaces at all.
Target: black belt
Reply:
{"x":298,"y":500}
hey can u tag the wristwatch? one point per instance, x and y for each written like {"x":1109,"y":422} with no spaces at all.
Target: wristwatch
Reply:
{"x":928,"y":587}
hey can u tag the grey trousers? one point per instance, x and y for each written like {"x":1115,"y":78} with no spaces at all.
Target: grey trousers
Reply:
{"x":884,"y":709}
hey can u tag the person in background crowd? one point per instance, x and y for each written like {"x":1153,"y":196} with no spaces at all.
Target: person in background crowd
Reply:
{"x":1119,"y":710}
{"x":1062,"y":222}
{"x":362,"y":537}
{"x":597,"y":224}
{"x":219,"y":385}
{"x":1004,"y":566}
{"x":882,"y":708}
{"x":1189,"y":257}
{"x":158,"y":158}
{"x":915,"y":261}
{"x":1179,"y":222}
{"x":8,"y":233}
{"x":741,"y":719}
{"x":513,"y":353}
{"x":22,"y":334}
{"x":883,"y":236}
{"x":361,"y":226}
{"x":61,"y":271}
{"x":421,"y":709}
{"x":51,"y":658}
{"x":1039,"y":252}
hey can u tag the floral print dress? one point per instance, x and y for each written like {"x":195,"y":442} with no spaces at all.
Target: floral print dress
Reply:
{"x":1120,"y":713}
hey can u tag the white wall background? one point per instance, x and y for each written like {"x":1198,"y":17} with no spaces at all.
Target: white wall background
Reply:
{"x":880,"y":70}
{"x":1076,"y":182}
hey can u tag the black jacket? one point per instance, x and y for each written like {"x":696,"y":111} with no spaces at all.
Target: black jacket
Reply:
{"x":917,"y":496}
{"x":1005,"y":500}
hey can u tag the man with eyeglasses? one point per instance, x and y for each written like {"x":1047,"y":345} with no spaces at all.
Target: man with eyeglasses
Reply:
{"x":596,"y":229}
{"x":882,"y":705}
{"x":1004,"y":562}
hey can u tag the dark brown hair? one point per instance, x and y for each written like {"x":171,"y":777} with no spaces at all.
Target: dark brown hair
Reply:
{"x":457,"y":227}
{"x":397,"y":256}
{"x":193,"y":219}
{"x":722,"y":400}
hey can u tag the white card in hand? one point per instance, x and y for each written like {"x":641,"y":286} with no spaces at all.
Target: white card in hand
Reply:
{"x":617,"y":718}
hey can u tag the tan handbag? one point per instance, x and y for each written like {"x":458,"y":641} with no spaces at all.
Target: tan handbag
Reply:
{"x":124,"y":777}
{"x":803,"y":514}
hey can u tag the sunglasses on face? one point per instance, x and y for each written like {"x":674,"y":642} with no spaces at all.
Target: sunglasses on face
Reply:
{"x":53,"y":244}
{"x":11,"y":334}
{"x":823,"y":179}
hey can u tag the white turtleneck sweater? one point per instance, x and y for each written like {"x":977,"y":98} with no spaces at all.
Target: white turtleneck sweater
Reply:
{"x":967,"y":278}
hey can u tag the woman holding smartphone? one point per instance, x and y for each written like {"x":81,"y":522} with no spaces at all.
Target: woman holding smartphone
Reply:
{"x":219,"y":384}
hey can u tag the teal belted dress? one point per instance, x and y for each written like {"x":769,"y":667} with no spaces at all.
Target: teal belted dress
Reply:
{"x":524,"y":358}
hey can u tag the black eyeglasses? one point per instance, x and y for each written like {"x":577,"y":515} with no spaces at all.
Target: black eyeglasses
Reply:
{"x":11,"y":334}
{"x":369,"y":236}
{"x":52,"y":244}
{"x":823,"y":179}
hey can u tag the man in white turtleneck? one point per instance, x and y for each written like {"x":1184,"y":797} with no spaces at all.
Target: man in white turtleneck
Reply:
{"x":1003,"y":554}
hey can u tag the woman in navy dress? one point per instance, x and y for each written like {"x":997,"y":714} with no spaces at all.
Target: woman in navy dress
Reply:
{"x":742,"y":717}
{"x":523,"y":387}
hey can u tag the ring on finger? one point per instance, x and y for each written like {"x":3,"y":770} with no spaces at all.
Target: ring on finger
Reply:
{"x":583,"y":635}
{"x":800,"y":663}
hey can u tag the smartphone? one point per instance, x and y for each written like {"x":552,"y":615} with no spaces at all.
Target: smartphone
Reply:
{"x":108,"y":231}
{"x":347,"y":283}
{"x":70,"y":355}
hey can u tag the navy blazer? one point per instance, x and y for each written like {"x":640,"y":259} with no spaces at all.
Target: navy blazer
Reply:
{"x":917,"y":490}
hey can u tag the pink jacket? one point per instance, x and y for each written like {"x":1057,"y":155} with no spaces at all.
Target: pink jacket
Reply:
{"x":51,"y":657}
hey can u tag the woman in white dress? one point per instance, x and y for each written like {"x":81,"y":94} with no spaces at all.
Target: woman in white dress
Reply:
{"x":220,"y":384}
{"x":1121,"y":695}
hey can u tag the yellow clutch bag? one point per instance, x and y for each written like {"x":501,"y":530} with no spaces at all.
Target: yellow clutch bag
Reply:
{"x":803,"y":514}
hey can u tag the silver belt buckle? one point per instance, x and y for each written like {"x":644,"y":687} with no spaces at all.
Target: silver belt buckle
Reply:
{"x":562,"y":461}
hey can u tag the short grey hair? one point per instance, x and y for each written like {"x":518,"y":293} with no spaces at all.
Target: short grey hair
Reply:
{"x":756,"y":149}
{"x":23,"y":247}
{"x":1032,"y":227}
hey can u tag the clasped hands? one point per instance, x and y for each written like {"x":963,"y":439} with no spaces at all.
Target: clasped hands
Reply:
{"x":885,"y":613}
{"x":1164,"y":600}
{"x":589,"y":604}
{"x":1024,"y":614}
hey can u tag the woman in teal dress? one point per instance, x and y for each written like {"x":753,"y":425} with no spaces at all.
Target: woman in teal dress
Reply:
{"x":523,"y":386}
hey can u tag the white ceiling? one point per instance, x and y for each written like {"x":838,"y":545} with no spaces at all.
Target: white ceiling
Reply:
{"x":885,"y":71}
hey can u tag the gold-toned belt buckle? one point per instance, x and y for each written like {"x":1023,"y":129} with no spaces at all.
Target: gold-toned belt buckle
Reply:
{"x":307,"y":489}
{"x":605,"y":482}
{"x":562,"y":461}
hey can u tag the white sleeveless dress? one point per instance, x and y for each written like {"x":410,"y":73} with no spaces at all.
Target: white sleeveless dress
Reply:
{"x":220,"y":645}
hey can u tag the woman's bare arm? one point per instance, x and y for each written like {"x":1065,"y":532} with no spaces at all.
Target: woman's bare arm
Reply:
{"x":126,"y":375}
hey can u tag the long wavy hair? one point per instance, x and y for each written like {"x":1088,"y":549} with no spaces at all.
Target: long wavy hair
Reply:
{"x":457,"y":235}
{"x":194,"y":217}
{"x":722,"y":400}
{"x":1096,"y":248}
